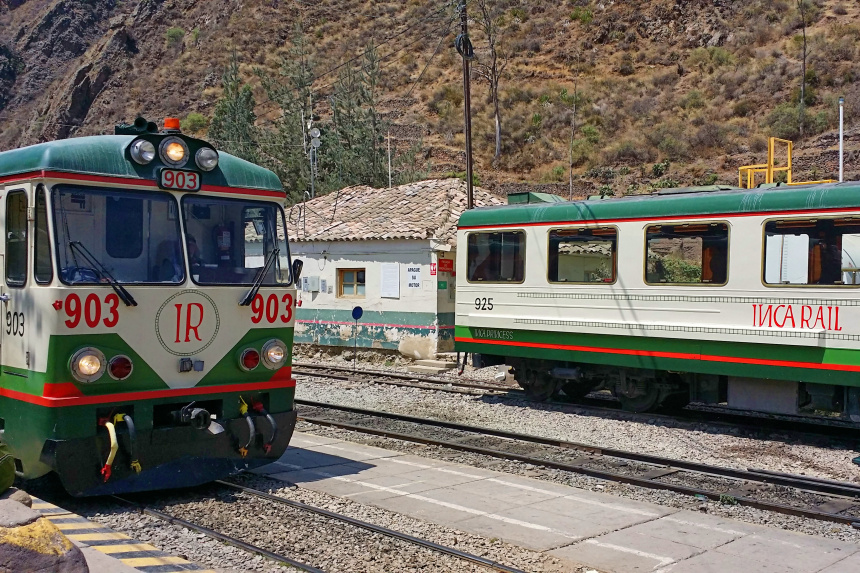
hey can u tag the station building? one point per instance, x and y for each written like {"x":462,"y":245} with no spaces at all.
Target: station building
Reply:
{"x":390,"y":251}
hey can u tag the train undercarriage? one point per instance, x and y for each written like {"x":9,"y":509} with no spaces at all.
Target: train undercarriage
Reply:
{"x":642,"y":390}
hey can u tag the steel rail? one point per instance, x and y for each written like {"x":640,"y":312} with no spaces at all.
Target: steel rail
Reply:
{"x":848,"y":490}
{"x":414,"y":377}
{"x":435,"y":386}
{"x":375,"y":528}
{"x":221,"y":537}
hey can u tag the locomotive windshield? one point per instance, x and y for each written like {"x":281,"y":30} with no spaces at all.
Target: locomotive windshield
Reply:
{"x":133,"y":236}
{"x":231,"y":240}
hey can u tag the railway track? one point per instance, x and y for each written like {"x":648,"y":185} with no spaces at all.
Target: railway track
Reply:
{"x":749,"y":421}
{"x":330,"y":515}
{"x":814,"y":498}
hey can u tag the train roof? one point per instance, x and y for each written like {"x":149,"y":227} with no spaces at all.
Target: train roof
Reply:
{"x":106,"y":156}
{"x":716,"y":202}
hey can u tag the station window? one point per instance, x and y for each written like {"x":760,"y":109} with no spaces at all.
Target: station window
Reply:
{"x":16,"y":238}
{"x":350,"y":283}
{"x":582,"y":255}
{"x":43,"y":270}
{"x":694,"y":253}
{"x":496,"y":256}
{"x":812,"y":252}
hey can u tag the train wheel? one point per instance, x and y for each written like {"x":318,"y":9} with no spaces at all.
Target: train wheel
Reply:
{"x":576,"y":390}
{"x":644,"y":398}
{"x":538,"y":386}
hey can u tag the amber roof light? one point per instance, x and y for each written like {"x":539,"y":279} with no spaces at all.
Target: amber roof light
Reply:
{"x":171,"y":123}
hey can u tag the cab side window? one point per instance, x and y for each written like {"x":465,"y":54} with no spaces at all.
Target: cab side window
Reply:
{"x":43,"y":269}
{"x":16,"y":238}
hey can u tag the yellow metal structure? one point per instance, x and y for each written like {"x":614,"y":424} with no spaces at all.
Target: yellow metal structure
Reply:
{"x":749,"y":172}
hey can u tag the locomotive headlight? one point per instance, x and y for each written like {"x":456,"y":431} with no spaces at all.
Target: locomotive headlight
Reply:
{"x":142,"y":151}
{"x":173,"y":151}
{"x":274,"y":353}
{"x":87,"y":364}
{"x":206,"y":158}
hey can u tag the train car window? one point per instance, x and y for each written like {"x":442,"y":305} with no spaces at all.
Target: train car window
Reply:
{"x":230,"y":241}
{"x":812,"y":252}
{"x":694,"y":253}
{"x":16,"y":238}
{"x":89,"y":246}
{"x":43,"y":269}
{"x":582,"y":255}
{"x":124,"y":227}
{"x":496,"y":257}
{"x":350,"y":283}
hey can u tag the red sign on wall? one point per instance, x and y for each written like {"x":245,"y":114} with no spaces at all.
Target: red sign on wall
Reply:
{"x":446,"y":265}
{"x":432,"y":269}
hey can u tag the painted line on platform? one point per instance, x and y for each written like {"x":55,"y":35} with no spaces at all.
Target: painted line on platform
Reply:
{"x":663,"y":561}
{"x":576,"y":498}
{"x":449,"y":505}
{"x":119,"y":546}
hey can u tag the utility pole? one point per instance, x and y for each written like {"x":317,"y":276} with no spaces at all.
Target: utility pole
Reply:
{"x":841,"y":133}
{"x":464,"y":47}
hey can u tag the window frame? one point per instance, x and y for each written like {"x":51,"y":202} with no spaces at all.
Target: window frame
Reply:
{"x":614,"y":256}
{"x":48,"y":237}
{"x":491,"y":231}
{"x":9,"y":195}
{"x":279,"y":212}
{"x":87,"y":188}
{"x":649,"y":224}
{"x":808,"y":217}
{"x":340,"y":273}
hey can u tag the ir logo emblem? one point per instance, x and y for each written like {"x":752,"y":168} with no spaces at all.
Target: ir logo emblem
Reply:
{"x":187,"y":323}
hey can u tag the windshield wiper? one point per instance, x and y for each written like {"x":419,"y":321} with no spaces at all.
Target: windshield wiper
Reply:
{"x":258,"y":280}
{"x":120,"y":291}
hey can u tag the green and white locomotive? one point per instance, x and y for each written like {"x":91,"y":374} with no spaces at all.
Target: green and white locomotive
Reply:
{"x":148,"y":306}
{"x":748,"y":298}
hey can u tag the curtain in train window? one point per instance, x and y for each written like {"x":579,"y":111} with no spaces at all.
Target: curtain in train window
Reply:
{"x":496,"y":257}
{"x":582,"y":255}
{"x":694,"y":253}
{"x":812,"y":252}
{"x":16,"y":238}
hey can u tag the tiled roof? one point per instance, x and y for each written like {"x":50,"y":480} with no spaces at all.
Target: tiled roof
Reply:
{"x":423,"y":210}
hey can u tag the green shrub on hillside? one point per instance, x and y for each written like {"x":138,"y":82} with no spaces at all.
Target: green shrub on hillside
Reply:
{"x":174,"y":36}
{"x":194,"y":122}
{"x":582,"y":15}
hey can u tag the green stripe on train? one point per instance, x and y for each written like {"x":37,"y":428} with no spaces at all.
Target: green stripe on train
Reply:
{"x":682,"y":205}
{"x":619,"y":351}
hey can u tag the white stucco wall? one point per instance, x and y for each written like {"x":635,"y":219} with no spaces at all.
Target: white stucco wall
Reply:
{"x":408,"y":322}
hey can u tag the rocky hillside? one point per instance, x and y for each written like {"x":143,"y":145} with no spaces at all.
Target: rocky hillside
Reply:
{"x":669,"y":92}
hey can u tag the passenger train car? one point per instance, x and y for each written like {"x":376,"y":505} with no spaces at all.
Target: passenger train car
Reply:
{"x":147,"y":308}
{"x":744,"y":297}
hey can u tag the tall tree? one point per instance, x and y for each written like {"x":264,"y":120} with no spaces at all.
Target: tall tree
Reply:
{"x":284,"y":144}
{"x":492,"y":65}
{"x":232,"y":127}
{"x":355,"y":151}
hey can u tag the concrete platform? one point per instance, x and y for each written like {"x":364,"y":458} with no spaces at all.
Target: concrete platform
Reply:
{"x":108,"y":551}
{"x":607,"y":533}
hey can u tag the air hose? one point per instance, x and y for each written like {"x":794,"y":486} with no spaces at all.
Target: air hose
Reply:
{"x":252,"y":430}
{"x":258,"y":407}
{"x":114,"y":446}
{"x":132,"y":437}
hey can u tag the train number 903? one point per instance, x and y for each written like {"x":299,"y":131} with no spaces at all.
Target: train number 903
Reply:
{"x":483,"y":304}
{"x":15,"y":323}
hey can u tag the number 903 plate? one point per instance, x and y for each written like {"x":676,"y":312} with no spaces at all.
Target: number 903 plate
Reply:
{"x":179,"y":180}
